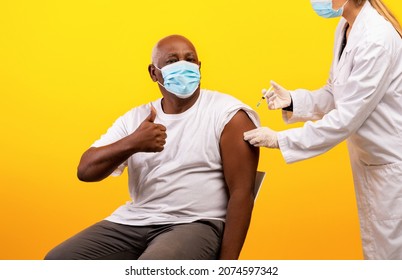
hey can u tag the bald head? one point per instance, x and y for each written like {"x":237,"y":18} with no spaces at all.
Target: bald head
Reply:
{"x":172,"y":49}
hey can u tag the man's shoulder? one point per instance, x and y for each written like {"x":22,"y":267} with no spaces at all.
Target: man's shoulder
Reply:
{"x":224,"y":105}
{"x":217,"y":96}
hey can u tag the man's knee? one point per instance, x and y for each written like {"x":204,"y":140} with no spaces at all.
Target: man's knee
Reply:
{"x":58,"y":253}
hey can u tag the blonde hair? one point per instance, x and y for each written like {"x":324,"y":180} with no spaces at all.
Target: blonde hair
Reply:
{"x":384,"y":11}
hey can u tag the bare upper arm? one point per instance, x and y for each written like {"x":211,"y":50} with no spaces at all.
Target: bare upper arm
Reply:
{"x":240,"y":159}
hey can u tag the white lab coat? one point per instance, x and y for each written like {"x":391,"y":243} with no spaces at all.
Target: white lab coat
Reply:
{"x":362,"y":102}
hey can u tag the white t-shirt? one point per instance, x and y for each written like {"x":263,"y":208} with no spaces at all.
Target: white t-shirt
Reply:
{"x":184,"y":182}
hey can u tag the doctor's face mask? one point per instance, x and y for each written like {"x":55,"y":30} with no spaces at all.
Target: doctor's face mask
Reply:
{"x":324,"y":8}
{"x":181,"y":78}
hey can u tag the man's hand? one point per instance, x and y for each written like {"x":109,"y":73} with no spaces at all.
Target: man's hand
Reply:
{"x":262,"y":137}
{"x":149,"y":136}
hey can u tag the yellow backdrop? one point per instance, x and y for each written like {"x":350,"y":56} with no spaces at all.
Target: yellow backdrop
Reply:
{"x":68,"y":69}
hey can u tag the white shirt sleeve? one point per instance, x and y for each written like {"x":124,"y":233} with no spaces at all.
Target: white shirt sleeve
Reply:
{"x":116,"y":132}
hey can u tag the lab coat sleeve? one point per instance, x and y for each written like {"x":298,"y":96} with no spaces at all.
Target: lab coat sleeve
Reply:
{"x":357,"y":97}
{"x":310,"y":105}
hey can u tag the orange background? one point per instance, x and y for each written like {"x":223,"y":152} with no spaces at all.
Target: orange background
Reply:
{"x":68,"y":69}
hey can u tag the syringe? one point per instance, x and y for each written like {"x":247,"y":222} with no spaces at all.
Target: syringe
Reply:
{"x":263,"y":97}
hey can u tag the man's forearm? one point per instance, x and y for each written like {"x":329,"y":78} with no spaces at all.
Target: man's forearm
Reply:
{"x":98,"y":163}
{"x":238,"y":218}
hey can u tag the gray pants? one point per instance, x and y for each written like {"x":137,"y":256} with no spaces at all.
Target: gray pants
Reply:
{"x":105,"y":240}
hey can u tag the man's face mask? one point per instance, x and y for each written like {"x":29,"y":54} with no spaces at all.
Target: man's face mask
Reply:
{"x":324,"y":8}
{"x":181,"y":78}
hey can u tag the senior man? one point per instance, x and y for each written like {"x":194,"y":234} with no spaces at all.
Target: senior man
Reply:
{"x":191,"y":174}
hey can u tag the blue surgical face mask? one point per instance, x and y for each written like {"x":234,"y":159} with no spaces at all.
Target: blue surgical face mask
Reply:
{"x":181,"y":78}
{"x":324,"y":8}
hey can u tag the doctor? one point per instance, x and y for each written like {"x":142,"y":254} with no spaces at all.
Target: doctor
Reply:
{"x":362,"y":102}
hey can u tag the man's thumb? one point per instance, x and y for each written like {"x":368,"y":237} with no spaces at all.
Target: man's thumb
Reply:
{"x":152,"y":115}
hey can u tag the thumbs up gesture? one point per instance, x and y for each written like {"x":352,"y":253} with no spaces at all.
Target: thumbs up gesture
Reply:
{"x":149,"y":136}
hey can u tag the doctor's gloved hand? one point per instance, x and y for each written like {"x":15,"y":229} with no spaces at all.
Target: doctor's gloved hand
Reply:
{"x":278,"y":97}
{"x":262,"y":137}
